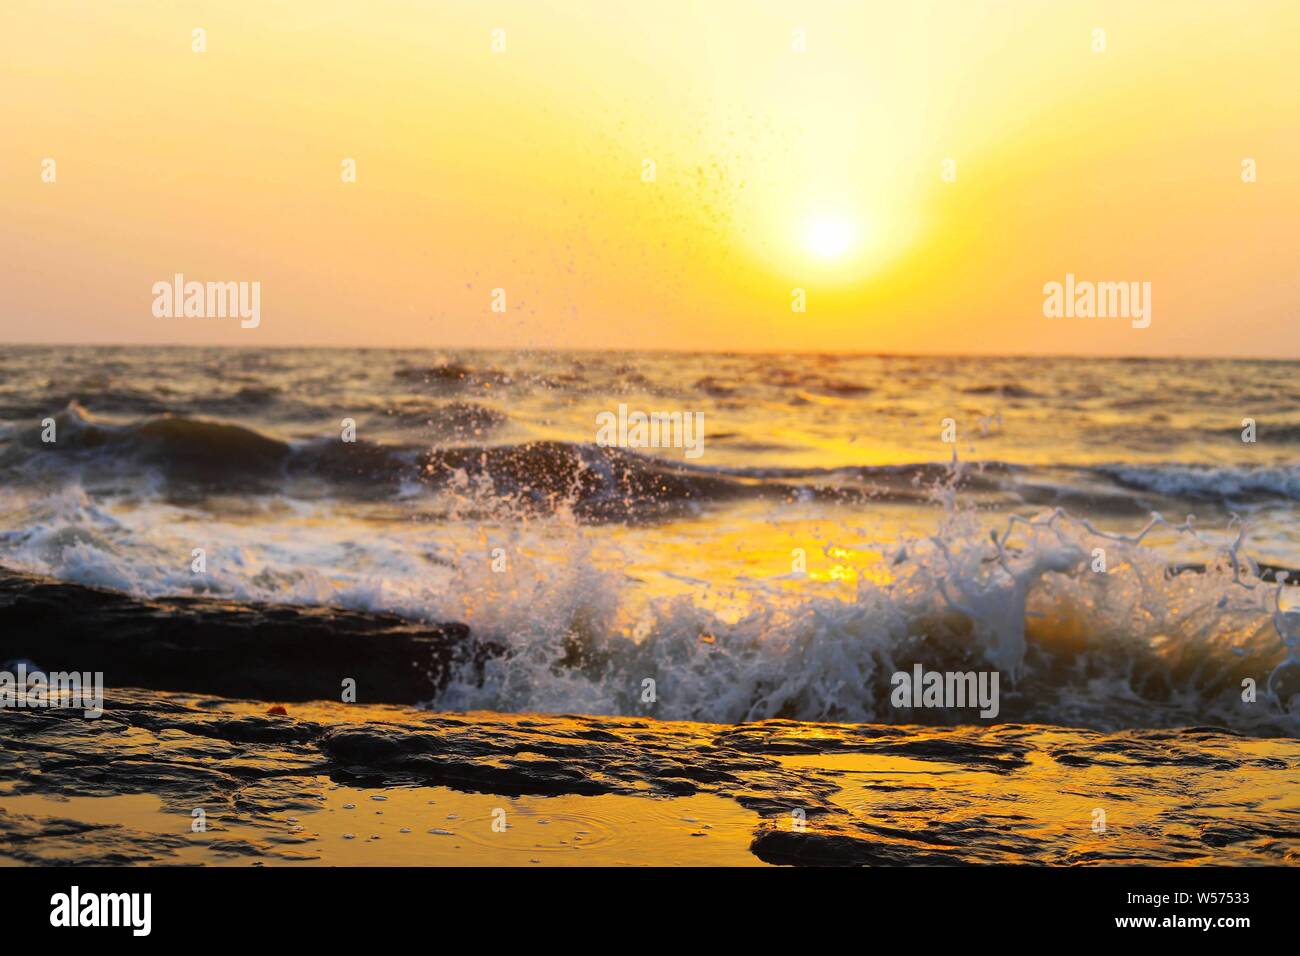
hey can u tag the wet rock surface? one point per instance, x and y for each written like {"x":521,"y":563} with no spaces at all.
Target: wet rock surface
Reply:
{"x":824,"y":794}
{"x":235,"y":649}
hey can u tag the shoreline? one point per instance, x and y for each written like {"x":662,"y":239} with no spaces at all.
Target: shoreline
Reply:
{"x":329,"y":783}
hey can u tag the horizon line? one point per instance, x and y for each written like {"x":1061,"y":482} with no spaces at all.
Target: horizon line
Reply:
{"x":661,"y":351}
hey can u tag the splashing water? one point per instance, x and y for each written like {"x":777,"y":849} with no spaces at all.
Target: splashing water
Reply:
{"x":601,"y":570}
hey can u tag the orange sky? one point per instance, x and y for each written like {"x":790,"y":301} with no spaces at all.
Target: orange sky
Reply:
{"x":774,"y":170}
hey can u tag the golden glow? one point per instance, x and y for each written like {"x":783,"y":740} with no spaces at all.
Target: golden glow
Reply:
{"x":831,"y":236}
{"x":775,"y":166}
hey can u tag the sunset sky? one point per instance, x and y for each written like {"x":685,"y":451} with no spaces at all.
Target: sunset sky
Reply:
{"x":774,"y":169}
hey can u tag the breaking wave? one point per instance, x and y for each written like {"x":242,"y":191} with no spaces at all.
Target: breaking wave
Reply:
{"x":1140,"y":642}
{"x":1135,"y":646}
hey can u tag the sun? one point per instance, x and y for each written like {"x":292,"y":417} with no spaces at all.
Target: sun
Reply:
{"x":830,"y":237}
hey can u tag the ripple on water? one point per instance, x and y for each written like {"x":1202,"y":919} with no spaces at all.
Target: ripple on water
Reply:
{"x":484,"y":829}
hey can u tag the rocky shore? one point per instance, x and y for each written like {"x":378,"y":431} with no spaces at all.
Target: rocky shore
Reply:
{"x":229,"y":648}
{"x":269,"y":783}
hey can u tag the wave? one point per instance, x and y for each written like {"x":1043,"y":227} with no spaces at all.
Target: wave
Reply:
{"x":1137,"y":642}
{"x":1209,"y":482}
{"x":183,"y":449}
{"x":182,"y":455}
{"x":592,"y":481}
{"x":1134,"y":646}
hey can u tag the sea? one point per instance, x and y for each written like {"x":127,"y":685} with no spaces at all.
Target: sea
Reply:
{"x":1115,"y":538}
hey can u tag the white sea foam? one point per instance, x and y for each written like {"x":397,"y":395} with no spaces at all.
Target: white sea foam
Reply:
{"x":1133,"y":646}
{"x":1210,"y":482}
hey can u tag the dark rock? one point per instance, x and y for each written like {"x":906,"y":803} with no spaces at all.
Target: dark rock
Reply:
{"x":246,"y":650}
{"x":823,"y":846}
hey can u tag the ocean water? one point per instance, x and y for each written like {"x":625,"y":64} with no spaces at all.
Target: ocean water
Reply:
{"x":1097,"y":531}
